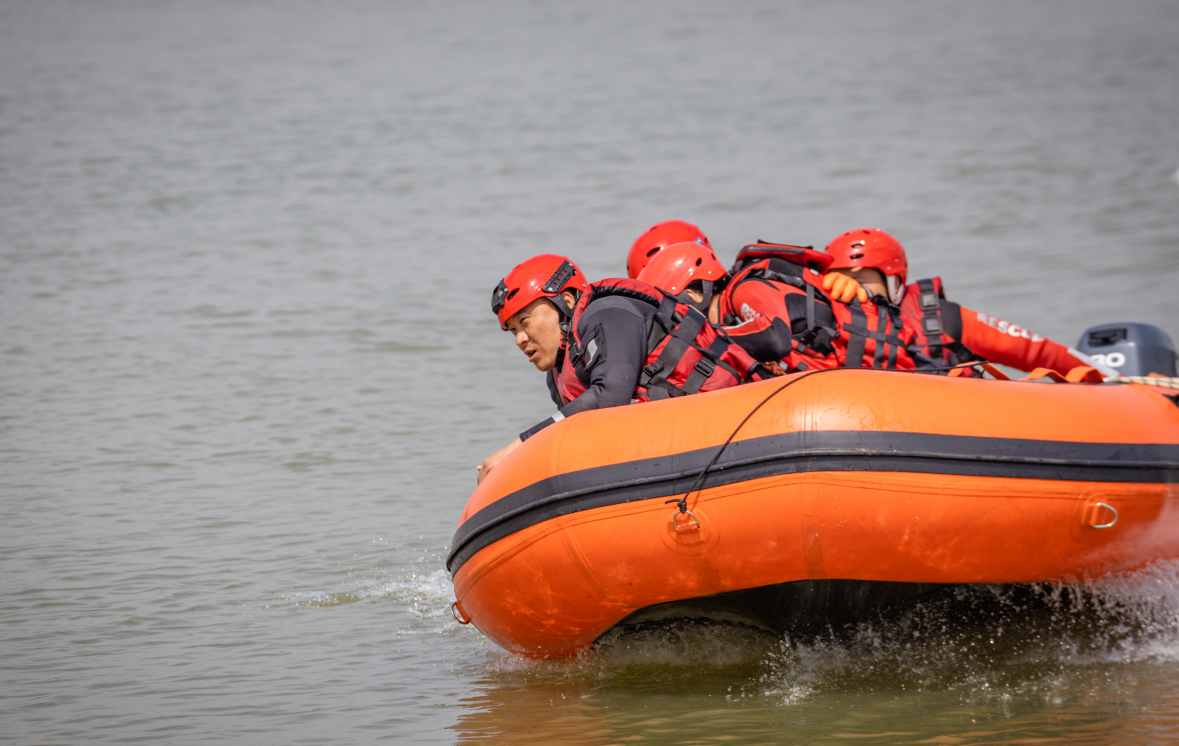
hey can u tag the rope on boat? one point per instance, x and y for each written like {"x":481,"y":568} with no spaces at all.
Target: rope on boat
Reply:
{"x":682,"y":503}
{"x":1167,"y":383}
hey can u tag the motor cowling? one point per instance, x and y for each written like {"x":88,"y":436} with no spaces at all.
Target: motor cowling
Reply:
{"x":1131,"y":349}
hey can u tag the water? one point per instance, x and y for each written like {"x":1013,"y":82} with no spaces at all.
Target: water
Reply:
{"x":247,"y":365}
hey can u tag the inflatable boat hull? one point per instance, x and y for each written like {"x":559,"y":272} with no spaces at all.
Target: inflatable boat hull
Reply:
{"x":851,"y":475}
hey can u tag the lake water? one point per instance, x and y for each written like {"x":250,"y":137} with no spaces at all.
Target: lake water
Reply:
{"x":247,"y":364}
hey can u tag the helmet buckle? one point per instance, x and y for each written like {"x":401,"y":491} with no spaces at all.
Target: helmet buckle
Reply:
{"x":564,"y":335}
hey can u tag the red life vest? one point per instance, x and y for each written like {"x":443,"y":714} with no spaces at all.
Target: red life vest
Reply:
{"x":686,"y":354}
{"x":921,"y":309}
{"x":824,"y":333}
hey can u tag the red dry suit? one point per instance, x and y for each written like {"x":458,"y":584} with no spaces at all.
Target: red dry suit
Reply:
{"x":951,"y":334}
{"x":774,"y":306}
{"x":685,"y":353}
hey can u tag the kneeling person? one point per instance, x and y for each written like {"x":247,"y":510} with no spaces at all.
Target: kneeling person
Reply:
{"x":609,"y":343}
{"x":772,"y":305}
{"x":946,"y":331}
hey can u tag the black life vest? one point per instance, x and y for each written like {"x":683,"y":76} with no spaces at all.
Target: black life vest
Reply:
{"x":923,"y":307}
{"x":686,"y":354}
{"x":873,"y":335}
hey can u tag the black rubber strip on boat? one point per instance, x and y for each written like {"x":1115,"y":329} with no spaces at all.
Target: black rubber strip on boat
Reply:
{"x":800,"y":452}
{"x":833,"y":607}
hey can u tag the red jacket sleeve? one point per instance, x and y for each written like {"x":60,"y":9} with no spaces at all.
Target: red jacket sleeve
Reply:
{"x":764,"y":328}
{"x":1017,"y":347}
{"x":754,"y":299}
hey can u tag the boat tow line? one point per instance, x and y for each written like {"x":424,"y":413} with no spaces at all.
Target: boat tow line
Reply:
{"x":682,"y":503}
{"x":1164,"y":382}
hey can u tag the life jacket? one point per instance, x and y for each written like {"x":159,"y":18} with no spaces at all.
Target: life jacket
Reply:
{"x":686,"y":354}
{"x":921,"y":308}
{"x":825,"y":333}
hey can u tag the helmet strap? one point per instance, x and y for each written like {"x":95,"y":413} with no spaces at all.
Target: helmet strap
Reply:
{"x":558,"y":302}
{"x":566,"y":313}
{"x":709,"y":288}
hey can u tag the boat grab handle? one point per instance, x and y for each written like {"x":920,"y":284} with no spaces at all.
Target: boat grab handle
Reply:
{"x":459,"y":615}
{"x":1115,"y":516}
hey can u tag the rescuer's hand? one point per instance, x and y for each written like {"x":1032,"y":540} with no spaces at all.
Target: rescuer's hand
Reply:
{"x":843,"y":288}
{"x":774,"y":368}
{"x":490,"y":462}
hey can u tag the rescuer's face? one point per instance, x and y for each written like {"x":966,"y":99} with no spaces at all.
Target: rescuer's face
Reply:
{"x":871,"y":279}
{"x":537,"y":328}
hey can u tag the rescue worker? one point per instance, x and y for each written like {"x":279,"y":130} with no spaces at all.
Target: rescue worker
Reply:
{"x":946,"y":332}
{"x":771,"y":303}
{"x":658,"y":237}
{"x":609,"y":343}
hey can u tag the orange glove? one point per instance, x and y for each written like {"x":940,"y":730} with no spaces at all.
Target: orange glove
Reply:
{"x":843,"y":288}
{"x":774,"y":368}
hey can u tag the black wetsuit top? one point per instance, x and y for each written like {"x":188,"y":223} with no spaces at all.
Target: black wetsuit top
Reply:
{"x":619,"y":357}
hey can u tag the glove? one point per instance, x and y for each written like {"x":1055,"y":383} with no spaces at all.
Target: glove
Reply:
{"x":773,"y":368}
{"x":843,"y":288}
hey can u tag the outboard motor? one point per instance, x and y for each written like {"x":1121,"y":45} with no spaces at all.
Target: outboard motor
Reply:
{"x":1130,"y":349}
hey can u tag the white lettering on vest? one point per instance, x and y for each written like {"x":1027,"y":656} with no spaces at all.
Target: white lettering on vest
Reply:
{"x":1010,"y":329}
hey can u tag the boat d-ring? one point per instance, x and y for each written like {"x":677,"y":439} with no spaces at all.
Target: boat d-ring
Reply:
{"x":1115,"y":517}
{"x":676,"y":523}
{"x":683,"y":510}
{"x":459,"y":615}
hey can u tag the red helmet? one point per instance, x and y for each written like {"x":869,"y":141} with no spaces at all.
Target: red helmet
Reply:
{"x":543,"y":276}
{"x":869,"y":247}
{"x":676,"y":266}
{"x":659,"y":237}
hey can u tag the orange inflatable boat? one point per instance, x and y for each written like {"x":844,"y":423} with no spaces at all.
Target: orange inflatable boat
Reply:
{"x":810,"y":495}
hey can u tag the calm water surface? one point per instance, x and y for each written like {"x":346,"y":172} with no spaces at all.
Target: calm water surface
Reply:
{"x":247,"y":365}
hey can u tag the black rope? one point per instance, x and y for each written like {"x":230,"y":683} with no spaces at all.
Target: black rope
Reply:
{"x":682,"y":502}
